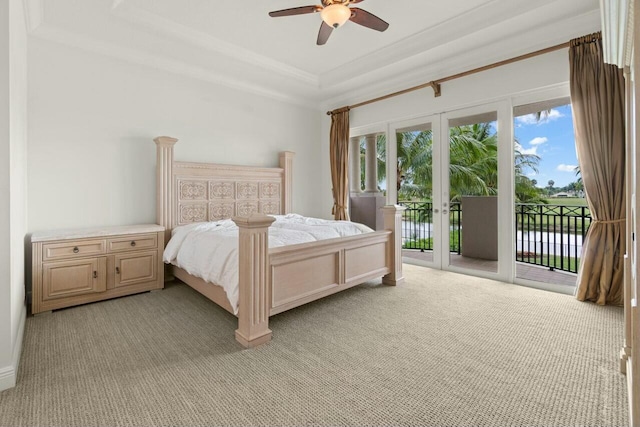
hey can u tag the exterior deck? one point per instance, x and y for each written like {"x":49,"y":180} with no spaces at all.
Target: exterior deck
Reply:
{"x":523,"y":270}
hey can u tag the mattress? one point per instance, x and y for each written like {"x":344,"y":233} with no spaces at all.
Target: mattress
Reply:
{"x":209,"y":250}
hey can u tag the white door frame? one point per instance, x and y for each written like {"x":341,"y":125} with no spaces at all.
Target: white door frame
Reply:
{"x":392,"y":193}
{"x":440,"y":129}
{"x":506,"y":246}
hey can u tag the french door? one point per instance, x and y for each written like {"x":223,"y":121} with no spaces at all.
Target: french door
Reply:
{"x":456,"y":168}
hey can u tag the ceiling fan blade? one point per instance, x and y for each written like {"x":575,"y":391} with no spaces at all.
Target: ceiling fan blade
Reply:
{"x":295,"y":11}
{"x":355,"y":1}
{"x":367,"y":19}
{"x":324,"y":33}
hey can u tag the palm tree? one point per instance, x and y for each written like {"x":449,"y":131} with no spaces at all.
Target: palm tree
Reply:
{"x":473,"y":161}
{"x":526,"y":190}
{"x":414,"y":163}
{"x":473,"y":165}
{"x":550,"y":186}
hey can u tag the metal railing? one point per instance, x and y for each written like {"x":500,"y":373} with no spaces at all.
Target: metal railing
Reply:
{"x":551,"y":235}
{"x":417,"y":226}
{"x":547,"y":235}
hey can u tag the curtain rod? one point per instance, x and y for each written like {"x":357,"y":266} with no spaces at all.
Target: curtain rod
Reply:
{"x":435,"y":84}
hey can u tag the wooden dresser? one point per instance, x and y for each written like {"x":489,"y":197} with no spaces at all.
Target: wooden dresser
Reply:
{"x":78,"y":266}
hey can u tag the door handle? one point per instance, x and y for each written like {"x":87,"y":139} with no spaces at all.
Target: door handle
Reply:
{"x":117,"y":270}
{"x":436,"y":211}
{"x":95,"y":274}
{"x":444,"y":211}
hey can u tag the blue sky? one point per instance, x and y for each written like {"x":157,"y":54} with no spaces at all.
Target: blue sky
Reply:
{"x":553,"y":140}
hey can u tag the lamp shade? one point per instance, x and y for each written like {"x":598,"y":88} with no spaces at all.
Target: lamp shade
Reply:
{"x":335,"y":15}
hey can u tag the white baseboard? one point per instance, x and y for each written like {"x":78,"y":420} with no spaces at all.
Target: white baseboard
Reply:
{"x":9,"y":374}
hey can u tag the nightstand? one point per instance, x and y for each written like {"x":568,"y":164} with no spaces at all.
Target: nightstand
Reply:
{"x":78,"y":266}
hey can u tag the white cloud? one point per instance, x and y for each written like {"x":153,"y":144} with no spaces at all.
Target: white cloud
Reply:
{"x":538,"y":140}
{"x":554,"y":115}
{"x":566,"y":168}
{"x":532,"y":119}
{"x":529,"y":119}
{"x":533,"y":150}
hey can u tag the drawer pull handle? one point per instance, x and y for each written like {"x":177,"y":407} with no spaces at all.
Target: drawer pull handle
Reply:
{"x":133,"y":243}
{"x":76,"y":250}
{"x":95,"y":274}
{"x":117,"y":270}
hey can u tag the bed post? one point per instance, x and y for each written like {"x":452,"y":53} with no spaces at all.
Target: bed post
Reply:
{"x":393,"y":221}
{"x":254,"y":284}
{"x":286,"y":163}
{"x":164,"y":183}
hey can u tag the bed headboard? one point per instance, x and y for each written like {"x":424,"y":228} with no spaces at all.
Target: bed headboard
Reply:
{"x":192,"y":192}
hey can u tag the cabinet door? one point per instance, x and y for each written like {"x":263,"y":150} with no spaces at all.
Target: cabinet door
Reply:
{"x":135,"y":268}
{"x":62,"y":279}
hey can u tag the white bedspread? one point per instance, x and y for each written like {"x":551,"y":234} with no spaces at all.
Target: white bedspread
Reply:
{"x":209,"y":250}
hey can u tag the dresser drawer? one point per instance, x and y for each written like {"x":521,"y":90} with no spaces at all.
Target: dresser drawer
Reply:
{"x":132,"y":243}
{"x":73,"y":249}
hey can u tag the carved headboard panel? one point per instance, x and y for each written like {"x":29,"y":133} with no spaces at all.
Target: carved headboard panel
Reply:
{"x":210,"y":200}
{"x":194,"y":192}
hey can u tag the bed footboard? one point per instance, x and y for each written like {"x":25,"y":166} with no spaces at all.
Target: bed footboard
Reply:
{"x":310,"y":271}
{"x":272,"y":281}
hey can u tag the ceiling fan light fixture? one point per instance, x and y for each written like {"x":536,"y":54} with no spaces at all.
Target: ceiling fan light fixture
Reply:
{"x":335,"y":15}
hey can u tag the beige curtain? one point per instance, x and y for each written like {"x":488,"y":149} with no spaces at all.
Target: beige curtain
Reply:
{"x":339,"y":154}
{"x":597,"y":98}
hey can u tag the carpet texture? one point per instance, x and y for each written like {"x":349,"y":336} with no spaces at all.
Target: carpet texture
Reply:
{"x":443,"y":349}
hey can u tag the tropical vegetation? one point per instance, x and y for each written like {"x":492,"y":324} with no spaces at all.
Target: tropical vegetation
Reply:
{"x":473,"y":164}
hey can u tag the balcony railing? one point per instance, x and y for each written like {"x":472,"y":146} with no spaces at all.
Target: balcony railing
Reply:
{"x":417,"y":226}
{"x":551,"y":235}
{"x":547,"y":235}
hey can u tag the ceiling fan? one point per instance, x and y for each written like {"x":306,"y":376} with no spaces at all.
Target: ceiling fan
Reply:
{"x":334,"y":13}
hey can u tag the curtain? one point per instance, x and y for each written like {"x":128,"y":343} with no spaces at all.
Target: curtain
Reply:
{"x":597,"y":98}
{"x":339,"y":156}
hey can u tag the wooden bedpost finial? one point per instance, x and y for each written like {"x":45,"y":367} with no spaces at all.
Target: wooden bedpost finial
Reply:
{"x":165,"y":140}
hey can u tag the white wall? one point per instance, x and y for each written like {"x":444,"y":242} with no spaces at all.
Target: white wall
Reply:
{"x":92,"y":120}
{"x":5,"y":182}
{"x":13,"y":143}
{"x":520,"y":82}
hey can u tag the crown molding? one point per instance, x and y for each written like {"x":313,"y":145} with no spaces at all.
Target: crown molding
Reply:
{"x":419,"y":70}
{"x":139,"y":57}
{"x":34,"y":14}
{"x":459,"y":26}
{"x":617,"y":31}
{"x":172,"y":29}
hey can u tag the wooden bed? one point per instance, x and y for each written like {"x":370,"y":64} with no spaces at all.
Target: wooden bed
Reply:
{"x":270,"y":280}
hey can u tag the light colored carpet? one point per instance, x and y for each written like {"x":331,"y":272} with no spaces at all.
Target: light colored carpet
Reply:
{"x":443,"y":349}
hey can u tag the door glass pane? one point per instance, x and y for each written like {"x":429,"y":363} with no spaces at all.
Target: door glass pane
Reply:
{"x":367,"y":179}
{"x":551,"y":212}
{"x":415,"y":190}
{"x":472,"y":200}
